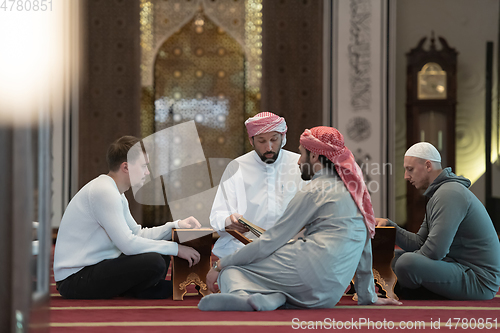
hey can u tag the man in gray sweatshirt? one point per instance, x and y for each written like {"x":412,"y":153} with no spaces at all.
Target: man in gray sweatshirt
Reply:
{"x":456,"y":252}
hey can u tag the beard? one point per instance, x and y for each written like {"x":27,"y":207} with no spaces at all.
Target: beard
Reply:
{"x":269,"y":160}
{"x":306,"y":172}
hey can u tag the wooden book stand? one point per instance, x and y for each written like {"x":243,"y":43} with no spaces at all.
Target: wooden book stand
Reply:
{"x":182,"y":274}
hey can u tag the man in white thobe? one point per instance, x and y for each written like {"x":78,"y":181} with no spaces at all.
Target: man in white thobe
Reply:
{"x":258,"y":185}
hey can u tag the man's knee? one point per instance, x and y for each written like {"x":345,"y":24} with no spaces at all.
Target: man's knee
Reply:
{"x":407,"y":268}
{"x":397,"y":255}
{"x":153,"y":262}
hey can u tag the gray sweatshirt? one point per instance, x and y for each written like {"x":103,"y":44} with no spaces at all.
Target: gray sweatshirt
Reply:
{"x":456,"y":228}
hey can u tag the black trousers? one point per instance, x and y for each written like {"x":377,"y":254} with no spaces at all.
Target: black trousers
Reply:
{"x":140,"y":276}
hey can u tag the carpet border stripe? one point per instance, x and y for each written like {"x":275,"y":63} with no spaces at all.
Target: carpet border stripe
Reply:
{"x":176,"y":323}
{"x":148,"y":307}
{"x":364,"y":307}
{"x":423,"y":323}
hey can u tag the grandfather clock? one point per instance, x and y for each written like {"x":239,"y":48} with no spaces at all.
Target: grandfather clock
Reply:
{"x":431,"y":99}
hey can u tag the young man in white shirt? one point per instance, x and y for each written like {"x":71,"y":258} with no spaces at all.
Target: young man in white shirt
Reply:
{"x":101,"y":251}
{"x":258,"y":185}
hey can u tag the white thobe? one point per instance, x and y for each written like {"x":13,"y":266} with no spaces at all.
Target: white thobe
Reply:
{"x":257,"y":190}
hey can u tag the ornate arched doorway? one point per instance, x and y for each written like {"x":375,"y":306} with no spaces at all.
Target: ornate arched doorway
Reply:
{"x":201,"y":62}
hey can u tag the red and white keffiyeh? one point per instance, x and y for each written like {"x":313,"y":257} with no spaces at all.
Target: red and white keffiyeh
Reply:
{"x":265,"y":122}
{"x":329,"y":142}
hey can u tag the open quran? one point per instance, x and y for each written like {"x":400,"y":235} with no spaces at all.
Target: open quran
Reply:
{"x":257,"y":231}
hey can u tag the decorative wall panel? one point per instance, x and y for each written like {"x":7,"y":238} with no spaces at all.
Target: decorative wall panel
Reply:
{"x":201,"y":61}
{"x":240,"y":21}
{"x":293,"y":64}
{"x":110,"y":101}
{"x":200,"y":76}
{"x":360,"y":108}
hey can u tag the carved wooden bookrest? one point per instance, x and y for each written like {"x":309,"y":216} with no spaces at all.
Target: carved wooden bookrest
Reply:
{"x":383,"y":253}
{"x":182,"y":274}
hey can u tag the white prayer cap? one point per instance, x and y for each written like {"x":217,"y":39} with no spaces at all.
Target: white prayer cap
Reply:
{"x":425,"y":151}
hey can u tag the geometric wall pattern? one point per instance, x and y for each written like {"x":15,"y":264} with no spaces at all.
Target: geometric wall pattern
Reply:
{"x":292,"y":84}
{"x":191,"y":46}
{"x":201,"y":61}
{"x":110,"y":100}
{"x":199,"y":75}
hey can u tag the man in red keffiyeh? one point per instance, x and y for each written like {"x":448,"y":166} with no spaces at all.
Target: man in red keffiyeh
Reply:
{"x":335,"y":210}
{"x":328,"y":141}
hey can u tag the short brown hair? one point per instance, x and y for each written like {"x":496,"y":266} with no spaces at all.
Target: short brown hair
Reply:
{"x":118,"y":151}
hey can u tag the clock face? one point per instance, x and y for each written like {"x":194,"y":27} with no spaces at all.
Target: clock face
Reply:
{"x":431,"y":82}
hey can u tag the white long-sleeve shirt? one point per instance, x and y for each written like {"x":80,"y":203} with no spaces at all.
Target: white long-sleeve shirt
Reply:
{"x":257,"y":190}
{"x":97,"y":225}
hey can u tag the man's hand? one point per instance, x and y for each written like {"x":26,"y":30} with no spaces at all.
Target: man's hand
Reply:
{"x":232,"y":223}
{"x":211,"y":279}
{"x":380,"y":222}
{"x":189,"y":254}
{"x":387,"y":301}
{"x":189,"y":223}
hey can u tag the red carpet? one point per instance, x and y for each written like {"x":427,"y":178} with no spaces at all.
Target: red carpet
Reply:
{"x":131,"y":315}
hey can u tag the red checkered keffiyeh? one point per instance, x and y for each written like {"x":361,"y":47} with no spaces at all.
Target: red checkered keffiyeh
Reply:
{"x":266,"y":122}
{"x":329,"y":142}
